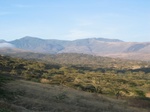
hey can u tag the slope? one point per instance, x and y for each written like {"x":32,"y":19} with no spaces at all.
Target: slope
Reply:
{"x":50,"y":98}
{"x":107,"y":80}
{"x":94,"y":46}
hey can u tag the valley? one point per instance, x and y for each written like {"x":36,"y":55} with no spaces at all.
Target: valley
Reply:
{"x":85,"y":82}
{"x":74,"y":55}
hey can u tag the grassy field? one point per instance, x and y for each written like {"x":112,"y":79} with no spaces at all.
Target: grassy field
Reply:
{"x":37,"y":97}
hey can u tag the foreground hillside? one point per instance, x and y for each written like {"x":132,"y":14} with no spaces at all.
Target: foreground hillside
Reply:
{"x":51,"y":98}
{"x":126,"y":80}
{"x":33,"y":96}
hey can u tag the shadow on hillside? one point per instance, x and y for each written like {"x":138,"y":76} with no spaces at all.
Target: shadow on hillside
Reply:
{"x":140,"y":102}
{"x":103,"y":70}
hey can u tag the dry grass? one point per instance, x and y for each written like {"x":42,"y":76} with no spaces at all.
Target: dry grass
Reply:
{"x":51,"y":98}
{"x":148,"y":95}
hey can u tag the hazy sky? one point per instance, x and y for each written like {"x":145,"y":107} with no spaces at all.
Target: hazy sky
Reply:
{"x":128,"y":20}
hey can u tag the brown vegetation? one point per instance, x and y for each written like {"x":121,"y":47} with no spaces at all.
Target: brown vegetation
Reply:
{"x":43,"y":97}
{"x":110,"y":77}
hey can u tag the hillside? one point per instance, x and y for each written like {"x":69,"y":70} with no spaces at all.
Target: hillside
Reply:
{"x":39,"y":45}
{"x":2,"y":41}
{"x":88,"y":46}
{"x":51,"y":98}
{"x":95,"y":46}
{"x":79,"y":59}
{"x":122,"y":82}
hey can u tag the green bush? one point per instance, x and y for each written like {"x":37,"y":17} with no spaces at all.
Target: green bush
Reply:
{"x":140,"y":93}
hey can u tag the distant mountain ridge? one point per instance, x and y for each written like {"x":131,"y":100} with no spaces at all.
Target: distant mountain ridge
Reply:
{"x":2,"y":41}
{"x":93,"y":46}
{"x":58,"y":46}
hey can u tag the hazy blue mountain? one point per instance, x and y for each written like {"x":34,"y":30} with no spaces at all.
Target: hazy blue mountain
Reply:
{"x":2,"y":41}
{"x":94,"y":46}
{"x":97,"y":46}
{"x":138,"y":47}
{"x":59,"y":46}
{"x":38,"y":45}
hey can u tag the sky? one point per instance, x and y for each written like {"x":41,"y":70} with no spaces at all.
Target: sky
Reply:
{"x":127,"y":20}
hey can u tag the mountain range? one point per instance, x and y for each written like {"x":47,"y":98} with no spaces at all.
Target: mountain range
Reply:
{"x":93,"y":46}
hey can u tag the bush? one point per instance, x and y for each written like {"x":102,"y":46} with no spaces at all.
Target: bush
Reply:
{"x":140,"y":93}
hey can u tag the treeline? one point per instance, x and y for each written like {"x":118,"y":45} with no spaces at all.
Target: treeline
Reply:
{"x":107,"y":79}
